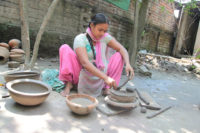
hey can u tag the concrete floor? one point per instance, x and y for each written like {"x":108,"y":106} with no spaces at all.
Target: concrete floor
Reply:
{"x":181,"y":91}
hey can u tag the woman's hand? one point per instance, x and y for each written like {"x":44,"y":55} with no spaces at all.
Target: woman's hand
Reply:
{"x":111,"y":82}
{"x":129,"y":71}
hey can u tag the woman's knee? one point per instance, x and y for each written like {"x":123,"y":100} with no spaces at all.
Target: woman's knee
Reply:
{"x":118,"y":56}
{"x":66,"y":49}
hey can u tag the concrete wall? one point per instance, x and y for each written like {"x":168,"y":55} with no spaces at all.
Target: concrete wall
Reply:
{"x":197,"y":41}
{"x":72,"y":16}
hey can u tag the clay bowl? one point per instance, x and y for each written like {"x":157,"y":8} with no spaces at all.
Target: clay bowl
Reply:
{"x":22,"y":75}
{"x":81,"y":104}
{"x":123,"y":96}
{"x":28,"y":92}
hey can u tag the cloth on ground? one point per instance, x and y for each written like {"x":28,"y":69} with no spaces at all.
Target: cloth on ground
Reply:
{"x":50,"y":76}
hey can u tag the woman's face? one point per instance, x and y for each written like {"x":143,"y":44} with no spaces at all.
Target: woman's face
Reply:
{"x":99,"y":30}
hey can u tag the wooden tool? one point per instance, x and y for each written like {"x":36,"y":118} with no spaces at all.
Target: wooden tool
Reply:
{"x":119,"y":87}
{"x":159,"y":112}
{"x":139,"y":95}
{"x":5,"y":96}
{"x":150,"y":107}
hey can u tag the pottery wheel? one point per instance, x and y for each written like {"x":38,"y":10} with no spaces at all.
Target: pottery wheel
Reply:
{"x":122,"y":105}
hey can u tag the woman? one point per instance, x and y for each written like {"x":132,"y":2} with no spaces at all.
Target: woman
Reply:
{"x":90,"y":66}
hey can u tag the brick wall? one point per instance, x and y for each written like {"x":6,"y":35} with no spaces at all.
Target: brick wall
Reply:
{"x":160,"y":21}
{"x":69,"y":19}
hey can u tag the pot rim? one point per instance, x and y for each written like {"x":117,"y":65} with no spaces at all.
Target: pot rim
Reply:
{"x":22,"y":73}
{"x":94,"y":104}
{"x":10,"y":83}
{"x":122,"y":93}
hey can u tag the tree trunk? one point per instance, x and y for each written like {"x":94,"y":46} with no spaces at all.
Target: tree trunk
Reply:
{"x":133,"y":47}
{"x":24,"y":30}
{"x":41,"y":31}
{"x":142,"y":19}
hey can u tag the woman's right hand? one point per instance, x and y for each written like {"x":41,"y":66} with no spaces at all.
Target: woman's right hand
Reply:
{"x":110,"y":82}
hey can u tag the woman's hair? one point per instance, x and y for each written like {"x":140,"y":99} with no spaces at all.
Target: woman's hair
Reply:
{"x":99,"y":18}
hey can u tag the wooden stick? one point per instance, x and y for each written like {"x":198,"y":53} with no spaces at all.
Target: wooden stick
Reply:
{"x":139,"y":95}
{"x":150,"y":107}
{"x":157,"y":113}
{"x":5,"y":96}
{"x":119,"y":87}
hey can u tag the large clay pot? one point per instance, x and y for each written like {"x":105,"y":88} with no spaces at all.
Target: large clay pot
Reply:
{"x":28,"y":92}
{"x":17,"y":51}
{"x":14,"y":43}
{"x":4,"y":54}
{"x":3,"y":44}
{"x":13,"y":64}
{"x":17,"y":57}
{"x":21,"y":75}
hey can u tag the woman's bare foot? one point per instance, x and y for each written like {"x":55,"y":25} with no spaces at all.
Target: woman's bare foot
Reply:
{"x":67,"y":89}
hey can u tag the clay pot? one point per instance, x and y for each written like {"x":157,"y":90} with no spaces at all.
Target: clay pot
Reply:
{"x":21,"y":75}
{"x":28,"y":92}
{"x":14,"y":43}
{"x":4,"y":54}
{"x":3,"y":44}
{"x":12,"y":53}
{"x":81,"y":104}
{"x":115,"y":103}
{"x":17,"y":51}
{"x":13,"y":64}
{"x":123,"y":96}
{"x":17,"y":57}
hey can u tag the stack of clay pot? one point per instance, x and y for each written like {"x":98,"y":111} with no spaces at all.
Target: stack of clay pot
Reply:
{"x":122,"y":98}
{"x":16,"y":54}
{"x":4,"y":52}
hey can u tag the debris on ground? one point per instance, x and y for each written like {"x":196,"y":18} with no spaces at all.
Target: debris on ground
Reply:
{"x":148,"y":61}
{"x":144,"y":71}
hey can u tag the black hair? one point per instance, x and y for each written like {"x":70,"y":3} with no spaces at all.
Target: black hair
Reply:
{"x":99,"y":18}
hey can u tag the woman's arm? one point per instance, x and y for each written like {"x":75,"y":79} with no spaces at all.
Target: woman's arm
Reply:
{"x":119,"y":48}
{"x":83,"y":58}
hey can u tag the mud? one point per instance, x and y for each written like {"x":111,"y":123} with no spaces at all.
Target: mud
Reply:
{"x":82,"y":101}
{"x":29,"y":88}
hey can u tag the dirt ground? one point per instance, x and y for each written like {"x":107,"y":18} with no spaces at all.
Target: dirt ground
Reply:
{"x":179,"y":90}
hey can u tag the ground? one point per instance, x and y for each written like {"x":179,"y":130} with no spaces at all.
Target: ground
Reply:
{"x":179,"y":90}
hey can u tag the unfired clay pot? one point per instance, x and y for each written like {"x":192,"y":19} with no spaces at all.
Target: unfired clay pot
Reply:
{"x":13,"y":64}
{"x":123,"y":96}
{"x":28,"y":92}
{"x":17,"y":51}
{"x":3,"y":44}
{"x":4,"y":55}
{"x":115,"y":103}
{"x":22,"y":75}
{"x":81,"y":104}
{"x":17,"y":57}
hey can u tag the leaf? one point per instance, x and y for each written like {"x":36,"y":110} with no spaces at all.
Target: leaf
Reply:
{"x":170,"y":1}
{"x":162,"y":8}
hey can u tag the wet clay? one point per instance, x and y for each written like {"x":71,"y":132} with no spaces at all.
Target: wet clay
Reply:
{"x":82,"y":101}
{"x":29,"y":88}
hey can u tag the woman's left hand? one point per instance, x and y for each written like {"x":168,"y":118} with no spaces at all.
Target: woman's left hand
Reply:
{"x":129,"y":71}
